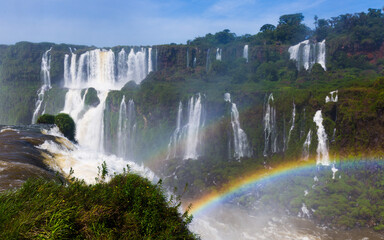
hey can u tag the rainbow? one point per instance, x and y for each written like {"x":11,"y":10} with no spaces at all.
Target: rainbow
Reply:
{"x":212,"y":199}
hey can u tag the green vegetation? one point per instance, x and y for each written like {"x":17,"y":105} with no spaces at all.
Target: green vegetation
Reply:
{"x":355,"y":66}
{"x":91,"y":99}
{"x":352,"y":199}
{"x":127,"y":207}
{"x":46,"y":119}
{"x":66,"y":125}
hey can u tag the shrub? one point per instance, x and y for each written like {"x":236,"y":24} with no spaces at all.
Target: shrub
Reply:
{"x":127,"y":207}
{"x":46,"y":119}
{"x":66,"y":125}
{"x":91,"y":99}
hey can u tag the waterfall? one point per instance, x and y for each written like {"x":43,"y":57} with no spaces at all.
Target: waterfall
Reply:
{"x":208,"y":62}
{"x":270,"y":129}
{"x":46,"y":78}
{"x":306,"y":145}
{"x":173,"y":147}
{"x":136,"y":65}
{"x":322,"y":147}
{"x":194,"y":62}
{"x":306,"y":54}
{"x":245,"y":52}
{"x":98,"y":69}
{"x":320,"y":53}
{"x":122,"y":129}
{"x":150,"y":66}
{"x":193,"y":128}
{"x":333,"y":96}
{"x":185,"y":141}
{"x":218,"y":54}
{"x":156,"y":66}
{"x":292,"y":124}
{"x":240,"y":140}
{"x":122,"y":66}
{"x":126,"y":130}
{"x":227,"y":97}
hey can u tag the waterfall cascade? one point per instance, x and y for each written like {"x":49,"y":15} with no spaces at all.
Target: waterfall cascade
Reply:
{"x":292,"y":124}
{"x":322,"y":147}
{"x":126,"y":130}
{"x":227,"y":97}
{"x":245,"y":52}
{"x":173,"y":148}
{"x":306,"y":54}
{"x":240,"y":140}
{"x":333,"y":96}
{"x":218,"y":54}
{"x":193,"y":129}
{"x":185,"y":141}
{"x":306,"y":145}
{"x":98,"y":69}
{"x":270,"y":128}
{"x":46,"y":78}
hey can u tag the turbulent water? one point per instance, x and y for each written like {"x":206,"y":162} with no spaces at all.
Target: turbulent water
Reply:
{"x":46,"y":79}
{"x":98,"y":69}
{"x":306,"y":54}
{"x":63,"y":156}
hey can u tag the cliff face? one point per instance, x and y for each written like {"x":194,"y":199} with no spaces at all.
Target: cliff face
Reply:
{"x":177,"y":76}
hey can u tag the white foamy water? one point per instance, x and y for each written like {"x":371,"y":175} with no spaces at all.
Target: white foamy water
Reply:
{"x":46,"y":79}
{"x":245,"y":53}
{"x":322,"y":146}
{"x":306,"y":54}
{"x":85,"y":161}
{"x":333,"y":96}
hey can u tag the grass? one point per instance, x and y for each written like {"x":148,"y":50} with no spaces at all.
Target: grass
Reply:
{"x":127,"y":207}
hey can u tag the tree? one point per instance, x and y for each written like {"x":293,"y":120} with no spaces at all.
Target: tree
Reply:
{"x":267,"y":27}
{"x":224,"y":37}
{"x":291,"y":19}
{"x":66,"y":125}
{"x":290,"y":28}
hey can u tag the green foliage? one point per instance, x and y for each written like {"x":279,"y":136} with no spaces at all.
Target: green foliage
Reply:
{"x":345,"y":201}
{"x":91,"y":99}
{"x":290,"y":29}
{"x":127,"y":207}
{"x":46,"y":119}
{"x":66,"y":125}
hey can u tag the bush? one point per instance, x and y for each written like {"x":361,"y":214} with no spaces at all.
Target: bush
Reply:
{"x":46,"y":119}
{"x":128,"y":207}
{"x":91,"y":99}
{"x":66,"y":125}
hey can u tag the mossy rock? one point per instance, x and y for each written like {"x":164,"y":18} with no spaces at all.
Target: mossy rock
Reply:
{"x":91,"y":99}
{"x":46,"y":119}
{"x":66,"y":125}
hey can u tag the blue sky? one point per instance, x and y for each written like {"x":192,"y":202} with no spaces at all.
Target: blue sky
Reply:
{"x":107,"y":23}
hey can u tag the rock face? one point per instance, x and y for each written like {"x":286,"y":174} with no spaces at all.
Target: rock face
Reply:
{"x":178,"y":72}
